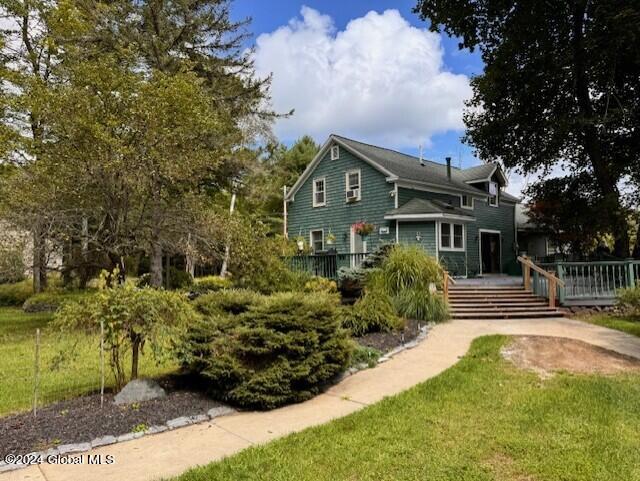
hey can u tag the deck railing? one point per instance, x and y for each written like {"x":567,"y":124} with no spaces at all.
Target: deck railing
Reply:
{"x":325,"y":265}
{"x":594,"y":282}
{"x":541,"y":282}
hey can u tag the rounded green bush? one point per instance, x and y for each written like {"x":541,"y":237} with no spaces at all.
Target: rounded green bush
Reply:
{"x":15,"y":294}
{"x":282,"y":349}
{"x":202,"y":285}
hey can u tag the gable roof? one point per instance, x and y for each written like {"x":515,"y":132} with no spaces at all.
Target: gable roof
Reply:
{"x":422,"y":208}
{"x":403,"y":167}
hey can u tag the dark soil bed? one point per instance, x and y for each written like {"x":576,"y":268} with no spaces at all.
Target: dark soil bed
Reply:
{"x":386,"y":341}
{"x":82,"y":420}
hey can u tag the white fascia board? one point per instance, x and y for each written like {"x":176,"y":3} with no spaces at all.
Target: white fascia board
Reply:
{"x":460,"y":218}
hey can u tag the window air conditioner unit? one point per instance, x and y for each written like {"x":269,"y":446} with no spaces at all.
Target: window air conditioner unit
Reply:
{"x":352,"y":195}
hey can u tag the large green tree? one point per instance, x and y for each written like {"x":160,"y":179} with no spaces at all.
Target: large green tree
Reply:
{"x":28,"y":54}
{"x":156,"y":105}
{"x":561,"y":83}
{"x":263,"y":193}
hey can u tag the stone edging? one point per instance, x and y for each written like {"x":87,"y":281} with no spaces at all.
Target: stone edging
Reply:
{"x":422,"y":335}
{"x":76,"y":448}
{"x":183,"y":421}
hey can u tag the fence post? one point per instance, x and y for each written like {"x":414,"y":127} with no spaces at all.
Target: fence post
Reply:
{"x":36,"y":374}
{"x":101,"y":363}
{"x":631,"y":278}
{"x":560,"y":271}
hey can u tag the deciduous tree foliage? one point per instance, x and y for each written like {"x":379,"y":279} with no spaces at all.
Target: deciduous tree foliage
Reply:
{"x":154,"y":106}
{"x":561,"y":83}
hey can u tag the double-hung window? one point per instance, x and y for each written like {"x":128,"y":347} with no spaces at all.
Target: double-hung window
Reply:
{"x":317,"y":240}
{"x":353,"y":185}
{"x":466,"y":201}
{"x":335,"y":152}
{"x":319,"y":192}
{"x":451,"y":236}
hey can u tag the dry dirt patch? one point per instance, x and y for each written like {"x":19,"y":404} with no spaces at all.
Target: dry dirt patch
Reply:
{"x":545,"y":355}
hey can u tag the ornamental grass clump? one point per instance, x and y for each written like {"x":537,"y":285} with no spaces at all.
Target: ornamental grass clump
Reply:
{"x":374,"y":311}
{"x":408,"y":274}
{"x":281,"y":350}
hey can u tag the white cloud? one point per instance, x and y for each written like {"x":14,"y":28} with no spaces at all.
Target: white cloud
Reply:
{"x":518,"y":183}
{"x":379,"y":80}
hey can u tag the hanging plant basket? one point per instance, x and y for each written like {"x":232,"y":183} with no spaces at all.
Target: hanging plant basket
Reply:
{"x":363,"y":229}
{"x":331,"y":239}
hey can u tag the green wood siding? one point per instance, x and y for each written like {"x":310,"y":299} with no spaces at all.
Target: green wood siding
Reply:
{"x":499,"y":218}
{"x":407,"y":235}
{"x":405,"y":195}
{"x":338,"y":215}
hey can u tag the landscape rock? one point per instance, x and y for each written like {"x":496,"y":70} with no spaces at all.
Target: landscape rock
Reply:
{"x":139,"y":390}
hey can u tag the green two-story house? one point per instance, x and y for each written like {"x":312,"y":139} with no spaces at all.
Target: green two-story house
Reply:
{"x":461,"y":216}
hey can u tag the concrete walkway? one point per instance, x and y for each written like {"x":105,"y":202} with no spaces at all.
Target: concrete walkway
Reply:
{"x":173,"y":452}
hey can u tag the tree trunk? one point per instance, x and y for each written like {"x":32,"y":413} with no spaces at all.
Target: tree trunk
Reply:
{"x":135,"y":355}
{"x":636,"y":248}
{"x":39,"y":260}
{"x":156,"y":247}
{"x":605,"y":177}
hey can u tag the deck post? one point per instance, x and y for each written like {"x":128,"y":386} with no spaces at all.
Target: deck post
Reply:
{"x":631,"y":278}
{"x":526,"y":276}
{"x":560,"y":270}
{"x":552,"y":291}
{"x":445,"y":286}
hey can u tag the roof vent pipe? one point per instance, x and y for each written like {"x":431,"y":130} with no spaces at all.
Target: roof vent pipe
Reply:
{"x":448,"y":159}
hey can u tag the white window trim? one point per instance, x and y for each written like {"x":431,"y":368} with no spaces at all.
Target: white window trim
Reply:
{"x":346,"y":184}
{"x":311,"y":239}
{"x":467,"y":207}
{"x":319,"y":204}
{"x":497,"y":204}
{"x":335,"y":152}
{"x":451,"y":230}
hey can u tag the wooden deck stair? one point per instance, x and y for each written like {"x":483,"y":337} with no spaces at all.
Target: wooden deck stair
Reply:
{"x":498,"y":302}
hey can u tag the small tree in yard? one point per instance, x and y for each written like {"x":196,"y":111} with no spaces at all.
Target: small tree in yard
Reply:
{"x":132,"y":318}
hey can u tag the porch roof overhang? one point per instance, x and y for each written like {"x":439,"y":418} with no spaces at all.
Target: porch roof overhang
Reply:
{"x":421,"y":209}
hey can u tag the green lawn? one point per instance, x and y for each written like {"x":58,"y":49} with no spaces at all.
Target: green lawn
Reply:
{"x":483,"y":419}
{"x":625,"y":324}
{"x":70,"y":364}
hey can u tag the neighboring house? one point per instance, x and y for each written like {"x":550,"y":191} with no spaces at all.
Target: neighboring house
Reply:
{"x":461,"y":216}
{"x":533,"y":240}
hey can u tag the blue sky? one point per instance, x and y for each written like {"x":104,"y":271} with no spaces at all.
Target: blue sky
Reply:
{"x":322,"y":24}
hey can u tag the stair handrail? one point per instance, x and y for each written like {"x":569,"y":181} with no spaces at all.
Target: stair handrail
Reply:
{"x":445,"y":284}
{"x":552,"y":280}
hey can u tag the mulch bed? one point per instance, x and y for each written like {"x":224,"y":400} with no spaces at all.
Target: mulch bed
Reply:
{"x":386,"y":341}
{"x":82,"y":420}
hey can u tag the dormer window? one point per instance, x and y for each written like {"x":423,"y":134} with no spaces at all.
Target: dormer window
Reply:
{"x":335,"y":152}
{"x":494,"y":192}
